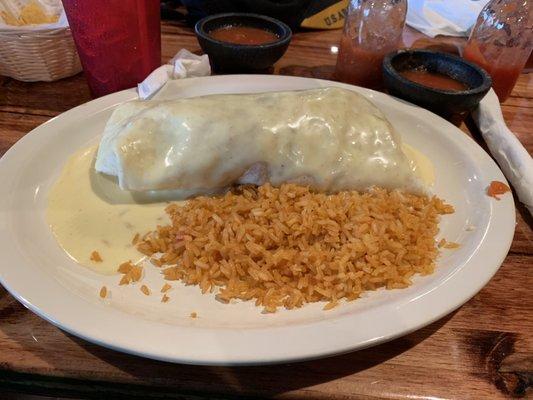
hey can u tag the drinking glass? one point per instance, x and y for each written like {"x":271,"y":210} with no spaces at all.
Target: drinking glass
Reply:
{"x":118,"y":41}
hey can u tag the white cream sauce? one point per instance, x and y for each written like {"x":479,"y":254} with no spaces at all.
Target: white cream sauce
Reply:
{"x":87,"y":211}
{"x":420,"y":164}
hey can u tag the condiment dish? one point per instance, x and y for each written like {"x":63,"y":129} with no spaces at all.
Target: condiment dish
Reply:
{"x":446,"y":103}
{"x":231,"y":57}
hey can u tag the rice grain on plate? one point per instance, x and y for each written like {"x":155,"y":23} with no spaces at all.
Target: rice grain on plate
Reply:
{"x":288,"y":246}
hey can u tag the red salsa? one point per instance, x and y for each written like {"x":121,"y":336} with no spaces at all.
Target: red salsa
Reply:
{"x":360,"y":66}
{"x":243,"y":35}
{"x":433,"y":80}
{"x":497,"y":188}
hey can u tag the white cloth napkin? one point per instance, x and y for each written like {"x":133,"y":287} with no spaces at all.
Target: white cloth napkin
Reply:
{"x":444,"y":17}
{"x":513,"y":158}
{"x":183,"y":65}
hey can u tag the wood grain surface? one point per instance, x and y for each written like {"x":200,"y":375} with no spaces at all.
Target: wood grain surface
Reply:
{"x":484,"y":350}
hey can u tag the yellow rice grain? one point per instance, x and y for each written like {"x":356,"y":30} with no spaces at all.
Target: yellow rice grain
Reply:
{"x":145,"y":290}
{"x":125,"y":280}
{"x":166,"y":287}
{"x":125,"y":267}
{"x":96,"y":257}
{"x":451,"y":245}
{"x":136,"y":273}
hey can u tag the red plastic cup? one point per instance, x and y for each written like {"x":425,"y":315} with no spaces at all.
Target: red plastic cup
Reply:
{"x":118,"y":41}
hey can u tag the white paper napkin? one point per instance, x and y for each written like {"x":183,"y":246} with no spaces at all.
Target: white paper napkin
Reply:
{"x":444,"y":17}
{"x":183,"y":65}
{"x":513,"y":158}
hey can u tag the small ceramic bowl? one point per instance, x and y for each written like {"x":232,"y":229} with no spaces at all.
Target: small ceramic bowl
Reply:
{"x":231,"y":57}
{"x":447,"y":103}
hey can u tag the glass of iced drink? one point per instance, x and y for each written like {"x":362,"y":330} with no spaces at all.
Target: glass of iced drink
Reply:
{"x":118,"y":41}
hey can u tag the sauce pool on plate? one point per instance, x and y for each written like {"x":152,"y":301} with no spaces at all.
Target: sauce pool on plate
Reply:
{"x":433,"y":80}
{"x":94,"y":231}
{"x":247,"y":35}
{"x":94,"y":221}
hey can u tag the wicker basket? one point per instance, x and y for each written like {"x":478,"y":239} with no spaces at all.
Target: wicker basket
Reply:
{"x":38,"y":55}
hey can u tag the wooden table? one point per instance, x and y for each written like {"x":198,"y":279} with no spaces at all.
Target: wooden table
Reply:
{"x":483,"y":350}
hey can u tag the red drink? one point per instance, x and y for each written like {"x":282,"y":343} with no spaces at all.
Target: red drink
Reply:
{"x":118,"y":41}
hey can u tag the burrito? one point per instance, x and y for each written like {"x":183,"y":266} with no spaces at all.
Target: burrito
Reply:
{"x":331,"y":139}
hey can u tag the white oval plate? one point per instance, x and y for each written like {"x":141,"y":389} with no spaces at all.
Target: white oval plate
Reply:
{"x":41,"y":276}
